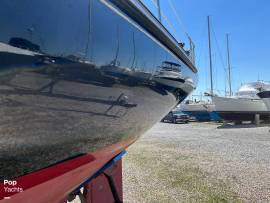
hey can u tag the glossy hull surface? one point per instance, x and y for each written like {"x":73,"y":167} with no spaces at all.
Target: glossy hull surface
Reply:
{"x":76,"y":81}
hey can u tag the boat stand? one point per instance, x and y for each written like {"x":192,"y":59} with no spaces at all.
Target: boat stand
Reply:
{"x":103,"y":187}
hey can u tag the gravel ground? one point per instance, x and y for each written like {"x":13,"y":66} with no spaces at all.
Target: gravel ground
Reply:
{"x":199,"y":162}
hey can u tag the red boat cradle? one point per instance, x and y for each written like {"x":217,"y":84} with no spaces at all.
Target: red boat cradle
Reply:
{"x":55,"y":184}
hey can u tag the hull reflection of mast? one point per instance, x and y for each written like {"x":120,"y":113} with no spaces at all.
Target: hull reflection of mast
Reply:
{"x":134,"y":51}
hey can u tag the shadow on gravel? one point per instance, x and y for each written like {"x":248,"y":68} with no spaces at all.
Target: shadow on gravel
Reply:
{"x":248,"y":125}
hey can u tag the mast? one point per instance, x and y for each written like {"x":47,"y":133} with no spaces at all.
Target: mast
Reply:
{"x":159,"y":10}
{"x":229,"y":64}
{"x":210,"y":54}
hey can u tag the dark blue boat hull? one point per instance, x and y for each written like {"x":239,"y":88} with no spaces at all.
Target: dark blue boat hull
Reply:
{"x":76,"y":77}
{"x":204,"y":115}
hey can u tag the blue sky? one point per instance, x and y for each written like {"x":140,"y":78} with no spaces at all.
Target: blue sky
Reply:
{"x":247,"y":22}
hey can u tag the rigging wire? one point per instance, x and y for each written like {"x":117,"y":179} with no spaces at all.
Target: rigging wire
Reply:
{"x":221,"y":59}
{"x":183,"y":28}
{"x":219,"y":52}
{"x":165,"y":18}
{"x":202,"y":57}
{"x":200,"y":50}
{"x":178,"y":19}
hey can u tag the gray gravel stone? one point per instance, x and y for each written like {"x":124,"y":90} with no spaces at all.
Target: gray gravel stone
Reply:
{"x":233,"y":162}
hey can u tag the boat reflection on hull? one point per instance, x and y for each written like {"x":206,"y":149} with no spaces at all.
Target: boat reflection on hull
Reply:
{"x":54,"y":118}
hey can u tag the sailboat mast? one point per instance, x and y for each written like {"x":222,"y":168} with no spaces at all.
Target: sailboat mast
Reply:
{"x":210,"y":54}
{"x":159,"y":11}
{"x":229,"y":64}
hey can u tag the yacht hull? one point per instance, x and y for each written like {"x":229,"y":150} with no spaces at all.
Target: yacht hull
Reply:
{"x":57,"y":99}
{"x":240,"y":109}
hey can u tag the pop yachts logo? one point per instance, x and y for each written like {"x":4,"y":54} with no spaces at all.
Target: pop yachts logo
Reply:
{"x":11,"y":186}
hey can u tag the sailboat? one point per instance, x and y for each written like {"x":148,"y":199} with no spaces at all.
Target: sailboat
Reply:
{"x":245,"y":104}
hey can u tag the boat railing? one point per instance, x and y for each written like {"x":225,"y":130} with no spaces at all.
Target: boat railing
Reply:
{"x":190,"y":53}
{"x":192,"y":50}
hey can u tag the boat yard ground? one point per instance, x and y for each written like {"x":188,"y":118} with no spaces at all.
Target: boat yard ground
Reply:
{"x":199,"y":162}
